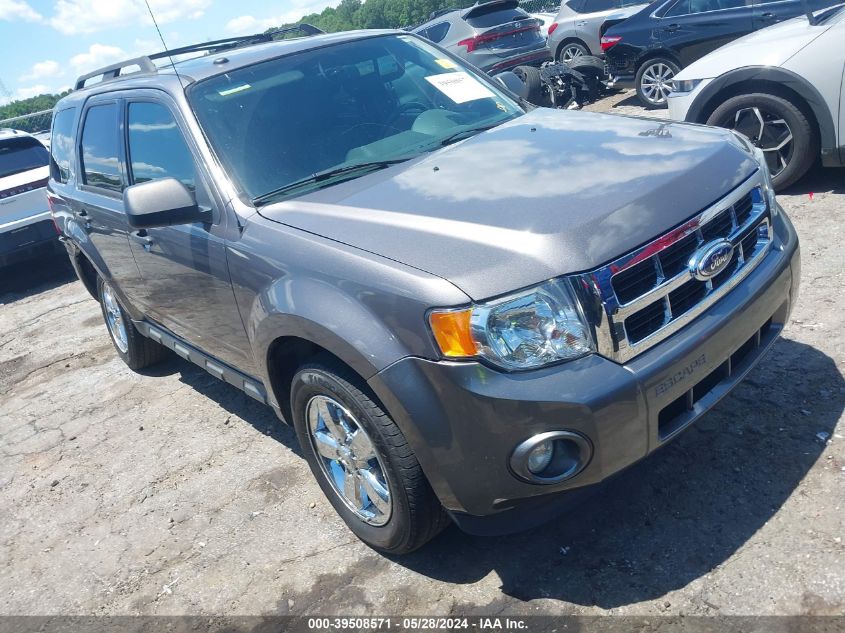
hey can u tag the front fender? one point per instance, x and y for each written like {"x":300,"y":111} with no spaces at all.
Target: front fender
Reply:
{"x":703,"y":104}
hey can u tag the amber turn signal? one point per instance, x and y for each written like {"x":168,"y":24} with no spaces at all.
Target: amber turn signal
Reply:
{"x":453,"y":334}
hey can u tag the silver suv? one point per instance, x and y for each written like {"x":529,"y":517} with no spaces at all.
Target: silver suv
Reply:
{"x":494,"y":36}
{"x":26,"y":228}
{"x":577,"y":29}
{"x":467,"y":308}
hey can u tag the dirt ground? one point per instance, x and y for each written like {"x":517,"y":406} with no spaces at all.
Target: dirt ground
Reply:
{"x":173,"y":493}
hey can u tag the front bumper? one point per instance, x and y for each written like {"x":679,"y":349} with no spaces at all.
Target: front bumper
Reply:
{"x":463,"y":420}
{"x":681,"y":102}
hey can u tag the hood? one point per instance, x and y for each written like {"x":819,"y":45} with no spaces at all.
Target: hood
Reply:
{"x":771,"y":46}
{"x":549,"y":193}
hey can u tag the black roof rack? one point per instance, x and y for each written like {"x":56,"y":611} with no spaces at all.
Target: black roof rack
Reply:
{"x":147,"y":67}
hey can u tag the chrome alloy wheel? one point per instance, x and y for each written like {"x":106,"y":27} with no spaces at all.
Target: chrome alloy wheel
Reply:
{"x":348,"y":459}
{"x":769,"y":133}
{"x":114,"y":319}
{"x":656,"y":83}
{"x":571,"y":52}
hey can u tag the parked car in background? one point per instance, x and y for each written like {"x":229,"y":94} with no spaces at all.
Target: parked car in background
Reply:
{"x":577,"y":28}
{"x":781,"y":87}
{"x":26,"y":227}
{"x":650,"y":48}
{"x":546,"y":20}
{"x":494,"y":36}
{"x":467,"y":309}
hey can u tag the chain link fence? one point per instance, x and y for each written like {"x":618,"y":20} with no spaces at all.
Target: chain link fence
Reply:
{"x":540,"y":6}
{"x":33,"y":123}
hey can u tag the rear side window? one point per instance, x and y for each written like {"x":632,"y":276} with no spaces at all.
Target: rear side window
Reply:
{"x":594,"y":6}
{"x":61,"y":146}
{"x":100,"y":140}
{"x":689,"y":7}
{"x":156,"y":146}
{"x":21,"y":154}
{"x":437,"y":32}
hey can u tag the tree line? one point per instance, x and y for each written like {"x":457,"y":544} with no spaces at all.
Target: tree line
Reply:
{"x":28,"y":106}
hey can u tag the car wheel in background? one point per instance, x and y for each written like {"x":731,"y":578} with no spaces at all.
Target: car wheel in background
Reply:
{"x":778,"y":127}
{"x":530,"y":76}
{"x":135,"y":349}
{"x":570,"y":50}
{"x":654,"y":81}
{"x":362,"y":461}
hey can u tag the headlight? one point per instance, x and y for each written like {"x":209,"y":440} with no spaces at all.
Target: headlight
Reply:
{"x":685,"y":85}
{"x":768,"y":186}
{"x":536,"y":327}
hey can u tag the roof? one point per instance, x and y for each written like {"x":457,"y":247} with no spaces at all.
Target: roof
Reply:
{"x":6,"y":132}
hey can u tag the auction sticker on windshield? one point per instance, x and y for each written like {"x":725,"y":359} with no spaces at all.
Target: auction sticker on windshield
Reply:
{"x":460,"y":87}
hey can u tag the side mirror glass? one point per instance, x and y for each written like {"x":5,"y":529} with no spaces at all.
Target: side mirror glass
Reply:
{"x":163,"y":202}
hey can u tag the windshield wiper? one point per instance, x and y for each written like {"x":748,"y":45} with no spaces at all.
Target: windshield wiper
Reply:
{"x":466,"y":133}
{"x":328,"y":174}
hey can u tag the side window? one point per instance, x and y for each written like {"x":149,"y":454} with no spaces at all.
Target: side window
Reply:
{"x":681,"y":7}
{"x":594,"y":6}
{"x":100,"y":162}
{"x":156,"y":146}
{"x":437,"y":32}
{"x":61,"y":146}
{"x":576,"y":5}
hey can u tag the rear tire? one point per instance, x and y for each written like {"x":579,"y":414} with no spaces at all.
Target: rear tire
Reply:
{"x":651,"y":81}
{"x":789,"y":140}
{"x":535,"y":92}
{"x":410,"y":514}
{"x":134,"y":349}
{"x":571,"y":50}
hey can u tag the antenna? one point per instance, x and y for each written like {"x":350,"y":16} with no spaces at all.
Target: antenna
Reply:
{"x":161,"y":37}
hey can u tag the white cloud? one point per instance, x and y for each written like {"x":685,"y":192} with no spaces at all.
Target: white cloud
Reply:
{"x":98,"y":55}
{"x":42,"y":70}
{"x":90,"y":16}
{"x":249,"y":24}
{"x":18,"y":10}
{"x":30,"y":91}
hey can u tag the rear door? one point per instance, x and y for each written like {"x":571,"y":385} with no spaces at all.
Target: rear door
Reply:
{"x":693,"y":28}
{"x":98,"y":203}
{"x":186,"y":284}
{"x":593,"y":15}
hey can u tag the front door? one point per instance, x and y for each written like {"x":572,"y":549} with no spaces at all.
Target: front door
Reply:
{"x":693,"y":28}
{"x":184,"y":268}
{"x":98,"y":207}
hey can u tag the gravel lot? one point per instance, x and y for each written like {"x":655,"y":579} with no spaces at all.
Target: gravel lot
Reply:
{"x":173,"y":493}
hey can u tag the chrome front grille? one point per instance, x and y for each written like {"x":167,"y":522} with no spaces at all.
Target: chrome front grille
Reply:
{"x":647,"y":295}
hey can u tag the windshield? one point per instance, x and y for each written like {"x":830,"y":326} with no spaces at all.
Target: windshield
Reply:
{"x":379,"y":99}
{"x":21,"y":154}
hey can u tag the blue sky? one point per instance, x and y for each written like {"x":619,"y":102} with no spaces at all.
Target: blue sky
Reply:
{"x":46,"y":44}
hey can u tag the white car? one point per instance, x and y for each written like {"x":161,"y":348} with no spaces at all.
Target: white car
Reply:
{"x":781,"y":87}
{"x":26,"y":226}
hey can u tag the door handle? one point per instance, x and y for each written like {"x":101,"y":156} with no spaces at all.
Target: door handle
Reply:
{"x":142,"y":238}
{"x":768,"y":15}
{"x":582,"y":23}
{"x":82,"y":213}
{"x":671,"y":28}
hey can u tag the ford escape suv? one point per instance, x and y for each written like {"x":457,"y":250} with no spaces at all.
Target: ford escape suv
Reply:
{"x":461,"y":321}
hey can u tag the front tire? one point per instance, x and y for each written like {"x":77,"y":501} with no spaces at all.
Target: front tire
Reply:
{"x":135,"y":349}
{"x":362,"y":460}
{"x":653,"y":81}
{"x":776,"y":125}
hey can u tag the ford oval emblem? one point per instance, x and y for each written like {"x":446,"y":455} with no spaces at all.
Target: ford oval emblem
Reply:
{"x":711,"y":259}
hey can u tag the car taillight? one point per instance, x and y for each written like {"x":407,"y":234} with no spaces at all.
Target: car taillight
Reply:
{"x":609,"y":41}
{"x":474,"y":42}
{"x":553,"y":27}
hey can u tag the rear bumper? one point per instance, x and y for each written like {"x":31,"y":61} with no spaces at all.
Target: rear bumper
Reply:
{"x":464,"y":419}
{"x":535,"y":58}
{"x":28,"y":239}
{"x":620,"y":82}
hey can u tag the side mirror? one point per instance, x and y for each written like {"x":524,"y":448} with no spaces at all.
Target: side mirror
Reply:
{"x":163,"y":202}
{"x":511,"y":81}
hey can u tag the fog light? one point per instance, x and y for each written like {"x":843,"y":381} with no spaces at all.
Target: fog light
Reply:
{"x":552,"y":457}
{"x":540,"y":456}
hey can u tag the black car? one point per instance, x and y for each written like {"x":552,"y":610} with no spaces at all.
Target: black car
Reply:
{"x":649,"y":48}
